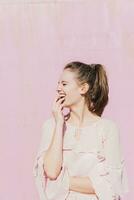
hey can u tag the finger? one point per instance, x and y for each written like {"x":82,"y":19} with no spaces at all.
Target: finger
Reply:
{"x":61,"y":100}
{"x":61,"y":107}
{"x":56,"y":97}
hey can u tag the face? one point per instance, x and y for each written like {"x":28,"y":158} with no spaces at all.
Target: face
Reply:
{"x":68,"y":86}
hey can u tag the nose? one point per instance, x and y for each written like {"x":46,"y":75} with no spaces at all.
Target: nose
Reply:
{"x":59,"y":89}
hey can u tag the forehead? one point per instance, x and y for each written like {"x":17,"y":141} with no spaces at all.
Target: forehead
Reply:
{"x":67,"y":75}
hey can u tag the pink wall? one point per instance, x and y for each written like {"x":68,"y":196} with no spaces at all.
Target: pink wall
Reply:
{"x":36,"y":41}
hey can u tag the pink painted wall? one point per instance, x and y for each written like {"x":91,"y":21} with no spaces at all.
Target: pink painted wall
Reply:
{"x":36,"y":41}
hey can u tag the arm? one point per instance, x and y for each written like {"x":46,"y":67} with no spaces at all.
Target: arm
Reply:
{"x":81,"y":184}
{"x":109,"y":177}
{"x":53,"y":156}
{"x":48,"y":188}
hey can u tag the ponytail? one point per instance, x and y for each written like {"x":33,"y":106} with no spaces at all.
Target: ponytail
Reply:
{"x":99,"y":92}
{"x":95,"y":75}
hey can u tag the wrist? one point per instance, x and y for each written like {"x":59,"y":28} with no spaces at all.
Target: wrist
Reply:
{"x":70,"y":181}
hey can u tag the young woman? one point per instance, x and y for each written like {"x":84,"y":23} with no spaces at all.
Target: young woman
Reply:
{"x":80,"y":155}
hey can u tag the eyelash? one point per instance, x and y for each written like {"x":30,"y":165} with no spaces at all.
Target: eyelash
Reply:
{"x":64,"y":84}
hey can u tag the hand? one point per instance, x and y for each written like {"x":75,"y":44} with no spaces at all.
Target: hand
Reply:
{"x":58,"y":107}
{"x":70,"y":182}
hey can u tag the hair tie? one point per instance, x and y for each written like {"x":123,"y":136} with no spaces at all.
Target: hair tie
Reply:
{"x":93,"y":67}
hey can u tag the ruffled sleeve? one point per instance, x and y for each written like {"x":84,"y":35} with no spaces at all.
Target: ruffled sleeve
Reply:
{"x":48,"y":189}
{"x":109,"y":177}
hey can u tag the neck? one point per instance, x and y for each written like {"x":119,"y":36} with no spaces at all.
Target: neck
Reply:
{"x":79,"y":114}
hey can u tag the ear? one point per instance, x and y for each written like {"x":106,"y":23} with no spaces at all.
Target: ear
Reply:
{"x":84,"y":88}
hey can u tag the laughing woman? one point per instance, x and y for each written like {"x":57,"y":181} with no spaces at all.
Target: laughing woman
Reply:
{"x":80,"y":155}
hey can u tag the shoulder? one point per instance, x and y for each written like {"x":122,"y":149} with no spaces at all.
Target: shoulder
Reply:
{"x":47,"y":128}
{"x":49,"y":122}
{"x":110,"y":127}
{"x":109,"y":122}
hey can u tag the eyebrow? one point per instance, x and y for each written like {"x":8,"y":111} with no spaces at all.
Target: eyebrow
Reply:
{"x":63,"y":81}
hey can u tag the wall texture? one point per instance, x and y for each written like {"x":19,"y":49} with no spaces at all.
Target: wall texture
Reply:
{"x":37,"y":38}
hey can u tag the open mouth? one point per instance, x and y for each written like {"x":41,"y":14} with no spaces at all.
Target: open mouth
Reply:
{"x":62,"y":95}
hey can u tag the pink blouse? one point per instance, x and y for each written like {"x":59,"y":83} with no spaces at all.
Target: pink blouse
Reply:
{"x":96,"y":154}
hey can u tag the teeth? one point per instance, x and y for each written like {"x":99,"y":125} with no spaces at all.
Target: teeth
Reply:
{"x":62,"y":95}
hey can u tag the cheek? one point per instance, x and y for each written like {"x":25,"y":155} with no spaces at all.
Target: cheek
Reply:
{"x":73,"y":94}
